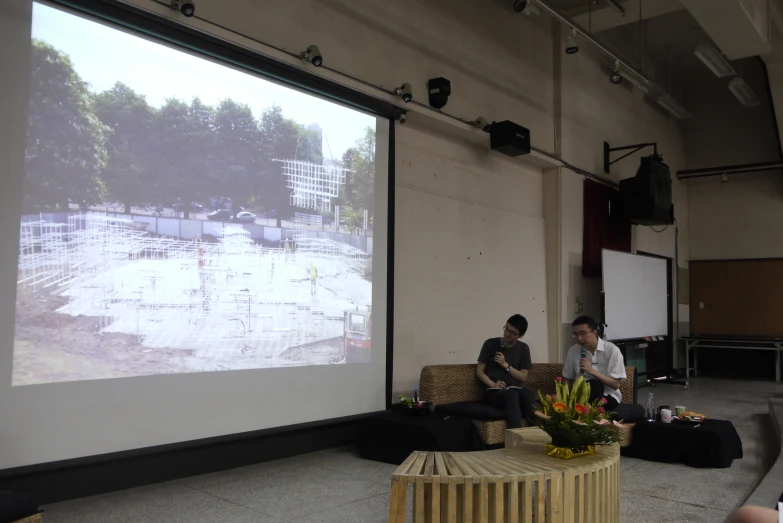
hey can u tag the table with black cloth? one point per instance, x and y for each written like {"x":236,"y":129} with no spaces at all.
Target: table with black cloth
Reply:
{"x":391,"y":436}
{"x":711,"y":443}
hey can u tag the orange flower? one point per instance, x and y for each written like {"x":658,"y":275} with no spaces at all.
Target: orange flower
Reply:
{"x":580,"y":409}
{"x":560,"y":407}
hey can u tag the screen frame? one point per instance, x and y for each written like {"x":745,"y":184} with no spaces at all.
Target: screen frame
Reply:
{"x":167,"y":32}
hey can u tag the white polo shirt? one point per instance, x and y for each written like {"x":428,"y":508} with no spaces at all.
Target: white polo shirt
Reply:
{"x":608,"y":360}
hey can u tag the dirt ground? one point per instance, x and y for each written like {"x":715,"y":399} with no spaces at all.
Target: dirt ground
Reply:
{"x":318,"y":353}
{"x":53,"y":347}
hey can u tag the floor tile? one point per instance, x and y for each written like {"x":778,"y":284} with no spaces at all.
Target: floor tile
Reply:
{"x":635,"y":508}
{"x":715,"y":488}
{"x":298,"y":492}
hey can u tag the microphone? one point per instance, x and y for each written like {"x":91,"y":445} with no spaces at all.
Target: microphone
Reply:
{"x":584,"y":355}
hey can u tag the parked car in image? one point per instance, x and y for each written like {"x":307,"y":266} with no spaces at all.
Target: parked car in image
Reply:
{"x":194,"y":207}
{"x":245,"y":217}
{"x":220,"y":215}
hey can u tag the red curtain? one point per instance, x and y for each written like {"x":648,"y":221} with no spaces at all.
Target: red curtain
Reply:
{"x":605,"y":227}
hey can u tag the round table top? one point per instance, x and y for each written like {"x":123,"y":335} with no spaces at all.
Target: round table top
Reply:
{"x":524,"y":458}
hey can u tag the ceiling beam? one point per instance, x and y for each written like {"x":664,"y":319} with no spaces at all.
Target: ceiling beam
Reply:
{"x":608,"y":17}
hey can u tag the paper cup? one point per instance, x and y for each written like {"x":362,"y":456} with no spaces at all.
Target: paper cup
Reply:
{"x":679,"y":410}
{"x":666,"y":415}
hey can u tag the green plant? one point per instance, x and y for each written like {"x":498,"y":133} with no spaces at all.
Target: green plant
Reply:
{"x":408,"y":402}
{"x":571,"y":420}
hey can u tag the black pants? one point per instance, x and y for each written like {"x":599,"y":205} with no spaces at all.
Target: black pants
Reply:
{"x":518,"y":403}
{"x":597,"y":392}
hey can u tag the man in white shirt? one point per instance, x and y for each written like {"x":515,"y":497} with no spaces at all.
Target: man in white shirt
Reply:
{"x":599,"y":361}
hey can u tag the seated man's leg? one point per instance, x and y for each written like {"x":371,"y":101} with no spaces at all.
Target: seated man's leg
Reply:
{"x":508,"y":400}
{"x":596,"y":390}
{"x":527,"y":400}
{"x":611,"y":403}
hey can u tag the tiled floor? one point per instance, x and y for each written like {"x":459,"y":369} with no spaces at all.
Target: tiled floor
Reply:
{"x":338,"y":486}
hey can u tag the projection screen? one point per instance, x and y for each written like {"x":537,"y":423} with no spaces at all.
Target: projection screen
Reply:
{"x":635,"y":295}
{"x":201,"y":250}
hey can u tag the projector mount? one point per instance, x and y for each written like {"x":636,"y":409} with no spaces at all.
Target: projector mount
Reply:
{"x":634,"y":148}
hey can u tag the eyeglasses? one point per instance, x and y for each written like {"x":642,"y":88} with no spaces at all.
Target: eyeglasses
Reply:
{"x":582,"y":334}
{"x":510,"y":331}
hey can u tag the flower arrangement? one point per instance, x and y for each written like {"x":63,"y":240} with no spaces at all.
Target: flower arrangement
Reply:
{"x":572,"y":421}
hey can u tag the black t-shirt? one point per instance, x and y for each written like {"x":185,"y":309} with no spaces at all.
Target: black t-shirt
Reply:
{"x":518,"y":356}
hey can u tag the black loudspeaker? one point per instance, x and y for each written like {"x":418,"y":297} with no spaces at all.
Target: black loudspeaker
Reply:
{"x":647,"y":197}
{"x":509,"y":138}
{"x":439,"y":92}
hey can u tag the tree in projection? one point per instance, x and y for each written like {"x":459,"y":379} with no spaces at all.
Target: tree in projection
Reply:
{"x":281,"y":138}
{"x":238,"y":140}
{"x":66,"y":144}
{"x":128,"y":173}
{"x":359,"y":189}
{"x":184,"y":151}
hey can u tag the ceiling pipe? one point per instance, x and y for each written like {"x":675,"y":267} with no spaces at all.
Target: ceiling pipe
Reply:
{"x":729,"y":169}
{"x":541,"y":4}
{"x":617,"y":6}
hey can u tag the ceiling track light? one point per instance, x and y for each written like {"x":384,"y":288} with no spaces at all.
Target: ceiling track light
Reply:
{"x":313,"y":55}
{"x":481,"y":123}
{"x":615,"y":77}
{"x":714,"y":60}
{"x":405,"y":91}
{"x":571,"y":47}
{"x":526,"y":7}
{"x":742,"y":91}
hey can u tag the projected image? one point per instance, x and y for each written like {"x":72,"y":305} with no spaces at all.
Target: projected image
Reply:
{"x":182,"y":216}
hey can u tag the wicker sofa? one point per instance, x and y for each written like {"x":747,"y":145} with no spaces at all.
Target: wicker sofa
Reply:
{"x":446,"y":384}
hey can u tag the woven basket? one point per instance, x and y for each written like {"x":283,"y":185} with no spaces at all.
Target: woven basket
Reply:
{"x":441,"y":384}
{"x":626,"y":433}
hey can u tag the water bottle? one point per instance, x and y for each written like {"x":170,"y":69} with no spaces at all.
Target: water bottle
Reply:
{"x":416,"y":396}
{"x":651,"y":407}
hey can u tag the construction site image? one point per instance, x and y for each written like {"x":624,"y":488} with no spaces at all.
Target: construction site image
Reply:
{"x":99,"y":296}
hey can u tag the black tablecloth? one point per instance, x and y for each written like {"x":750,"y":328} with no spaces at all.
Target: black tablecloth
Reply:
{"x":390,"y":437}
{"x":713,"y":443}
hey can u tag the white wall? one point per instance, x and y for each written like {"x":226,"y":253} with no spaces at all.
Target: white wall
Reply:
{"x":469,"y":252}
{"x":743,"y":217}
{"x":740,"y":219}
{"x":502,"y":66}
{"x":594,"y":111}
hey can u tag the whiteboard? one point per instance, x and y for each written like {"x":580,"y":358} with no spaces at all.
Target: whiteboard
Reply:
{"x":636,"y":300}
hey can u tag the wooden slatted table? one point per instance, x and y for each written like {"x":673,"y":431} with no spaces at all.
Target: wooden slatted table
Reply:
{"x":516,"y":484}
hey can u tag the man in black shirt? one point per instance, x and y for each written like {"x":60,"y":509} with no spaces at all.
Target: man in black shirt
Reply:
{"x":503,"y":363}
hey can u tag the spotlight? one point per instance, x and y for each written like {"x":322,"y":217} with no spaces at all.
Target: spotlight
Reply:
{"x":724,"y":178}
{"x":403,"y":119}
{"x":520,"y":5}
{"x":615,"y":77}
{"x":571,"y":47}
{"x":526,"y":7}
{"x":186,"y":7}
{"x":313,"y":55}
{"x":405,"y":92}
{"x":481,"y":123}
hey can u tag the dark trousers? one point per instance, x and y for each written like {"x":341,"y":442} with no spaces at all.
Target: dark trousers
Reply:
{"x":518,"y":403}
{"x":597,"y":392}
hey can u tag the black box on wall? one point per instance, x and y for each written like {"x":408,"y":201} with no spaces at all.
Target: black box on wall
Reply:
{"x":509,"y":138}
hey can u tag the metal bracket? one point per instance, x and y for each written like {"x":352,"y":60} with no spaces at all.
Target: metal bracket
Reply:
{"x":633,"y":148}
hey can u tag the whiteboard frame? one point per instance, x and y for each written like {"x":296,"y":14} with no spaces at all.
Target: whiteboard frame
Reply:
{"x":668,"y":293}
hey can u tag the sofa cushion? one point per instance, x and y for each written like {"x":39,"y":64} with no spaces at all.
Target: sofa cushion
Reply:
{"x":629,"y":413}
{"x":473,"y":409}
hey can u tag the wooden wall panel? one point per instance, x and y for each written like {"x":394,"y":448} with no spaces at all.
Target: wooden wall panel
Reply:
{"x":737,"y":298}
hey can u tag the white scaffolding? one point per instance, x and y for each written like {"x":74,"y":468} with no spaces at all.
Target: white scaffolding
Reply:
{"x":184,"y":294}
{"x":313,"y":186}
